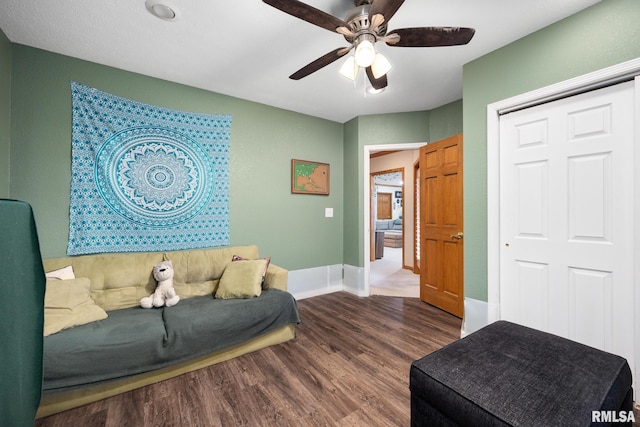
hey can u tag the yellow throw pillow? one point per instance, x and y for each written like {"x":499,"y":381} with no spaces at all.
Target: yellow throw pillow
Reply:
{"x":241,"y":279}
{"x":266,"y":267}
{"x":67,"y":303}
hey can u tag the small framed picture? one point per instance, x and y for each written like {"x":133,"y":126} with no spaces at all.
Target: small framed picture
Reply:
{"x":309,"y":177}
{"x":398,"y":194}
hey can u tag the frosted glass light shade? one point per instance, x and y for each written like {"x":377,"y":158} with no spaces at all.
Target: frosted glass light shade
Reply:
{"x":365,"y":53}
{"x":350,"y":69}
{"x":380,"y":66}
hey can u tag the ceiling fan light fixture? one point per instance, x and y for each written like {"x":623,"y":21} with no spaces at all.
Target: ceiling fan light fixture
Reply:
{"x":365,"y":52}
{"x":380,"y":66}
{"x":350,"y":69}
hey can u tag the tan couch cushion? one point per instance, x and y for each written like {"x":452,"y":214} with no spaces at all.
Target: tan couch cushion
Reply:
{"x":67,"y":303}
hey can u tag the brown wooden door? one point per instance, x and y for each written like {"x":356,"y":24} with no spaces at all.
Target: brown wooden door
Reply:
{"x":441,"y":249}
{"x":416,"y":217}
{"x":384,"y":206}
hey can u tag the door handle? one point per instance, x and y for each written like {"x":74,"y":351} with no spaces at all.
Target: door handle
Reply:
{"x":457,"y":236}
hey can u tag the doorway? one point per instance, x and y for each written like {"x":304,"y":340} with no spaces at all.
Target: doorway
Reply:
{"x":389,"y":275}
{"x":392,"y":271}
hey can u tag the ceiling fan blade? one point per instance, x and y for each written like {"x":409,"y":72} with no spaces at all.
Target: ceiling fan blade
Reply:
{"x":307,"y":13}
{"x":323,"y":61}
{"x":386,"y":8}
{"x":432,"y":36}
{"x":379,"y":83}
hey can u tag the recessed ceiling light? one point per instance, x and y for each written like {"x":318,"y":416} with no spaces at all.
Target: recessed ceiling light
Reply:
{"x":160,"y":10}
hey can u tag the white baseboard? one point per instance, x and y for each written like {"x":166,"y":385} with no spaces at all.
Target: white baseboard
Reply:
{"x":310,"y":282}
{"x":353,"y":280}
{"x":477,"y":315}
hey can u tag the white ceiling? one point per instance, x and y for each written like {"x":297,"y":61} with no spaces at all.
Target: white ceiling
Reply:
{"x":247,"y":49}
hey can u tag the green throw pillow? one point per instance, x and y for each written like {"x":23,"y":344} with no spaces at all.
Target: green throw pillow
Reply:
{"x":241,"y":279}
{"x":67,"y":303}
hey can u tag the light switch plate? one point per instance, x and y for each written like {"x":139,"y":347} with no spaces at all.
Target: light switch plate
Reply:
{"x":328,"y":212}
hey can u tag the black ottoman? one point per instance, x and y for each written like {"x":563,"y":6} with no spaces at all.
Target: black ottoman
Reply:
{"x":509,"y":375}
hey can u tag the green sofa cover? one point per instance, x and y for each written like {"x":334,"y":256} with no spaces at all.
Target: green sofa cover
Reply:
{"x":21,"y":315}
{"x":136,"y":340}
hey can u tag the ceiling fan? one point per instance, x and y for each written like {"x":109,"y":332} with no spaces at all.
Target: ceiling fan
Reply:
{"x":363,"y":26}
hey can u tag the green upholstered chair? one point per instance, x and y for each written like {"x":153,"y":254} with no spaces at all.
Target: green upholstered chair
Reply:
{"x":22,"y":286}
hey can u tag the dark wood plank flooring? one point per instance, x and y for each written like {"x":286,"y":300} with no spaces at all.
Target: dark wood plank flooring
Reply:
{"x":348,"y":366}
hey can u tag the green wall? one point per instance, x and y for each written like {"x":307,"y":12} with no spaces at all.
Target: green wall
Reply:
{"x":371,"y":130}
{"x":600,"y":36}
{"x":290,"y":228}
{"x":5,"y":113}
{"x":445,"y":121}
{"x":399,"y":128}
{"x":353,"y":207}
{"x":264,"y":139}
{"x":263,"y":142}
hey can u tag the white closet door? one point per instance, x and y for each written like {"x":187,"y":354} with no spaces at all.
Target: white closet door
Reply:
{"x":566,"y":218}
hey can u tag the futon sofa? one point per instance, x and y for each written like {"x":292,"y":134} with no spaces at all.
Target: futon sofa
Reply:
{"x":392,"y":229}
{"x":122,"y":346}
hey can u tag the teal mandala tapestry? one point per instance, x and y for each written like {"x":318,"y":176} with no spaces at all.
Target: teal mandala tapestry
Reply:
{"x":145,"y":178}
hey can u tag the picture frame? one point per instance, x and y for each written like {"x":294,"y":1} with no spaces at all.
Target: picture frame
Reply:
{"x":309,"y":177}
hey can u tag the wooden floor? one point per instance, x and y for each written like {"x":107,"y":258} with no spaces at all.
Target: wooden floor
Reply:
{"x":348,"y":366}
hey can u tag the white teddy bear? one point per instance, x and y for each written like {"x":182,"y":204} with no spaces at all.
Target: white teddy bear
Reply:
{"x":165,"y":293}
